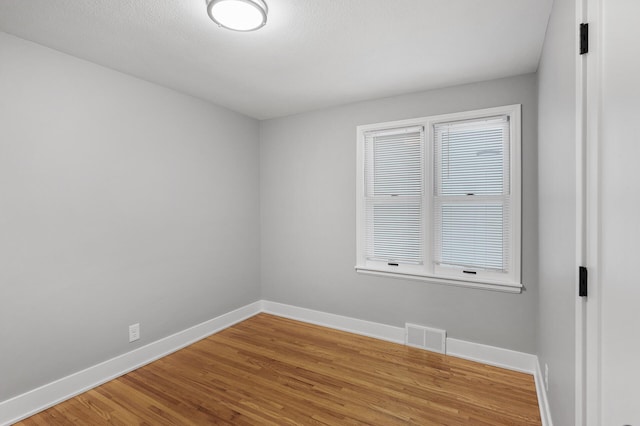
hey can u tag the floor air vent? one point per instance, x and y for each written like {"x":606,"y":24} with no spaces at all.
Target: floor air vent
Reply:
{"x":431,"y":339}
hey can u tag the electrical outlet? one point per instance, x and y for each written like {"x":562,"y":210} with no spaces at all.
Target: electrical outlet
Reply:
{"x":546,"y":376}
{"x":134,"y":332}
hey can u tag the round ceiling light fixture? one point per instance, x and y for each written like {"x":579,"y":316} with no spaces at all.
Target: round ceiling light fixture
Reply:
{"x":238,"y":15}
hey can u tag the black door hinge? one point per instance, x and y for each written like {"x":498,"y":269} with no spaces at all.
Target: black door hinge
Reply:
{"x":584,"y":38}
{"x":582,"y":291}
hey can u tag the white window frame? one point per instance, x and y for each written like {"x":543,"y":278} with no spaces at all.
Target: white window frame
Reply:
{"x":429,"y":271}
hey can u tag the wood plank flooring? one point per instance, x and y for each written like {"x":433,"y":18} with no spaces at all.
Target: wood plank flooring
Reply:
{"x":274,"y":371}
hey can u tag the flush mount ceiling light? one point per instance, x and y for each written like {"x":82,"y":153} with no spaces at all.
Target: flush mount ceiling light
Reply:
{"x":238,"y":15}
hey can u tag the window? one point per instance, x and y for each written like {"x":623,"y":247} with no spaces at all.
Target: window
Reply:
{"x":439,"y":199}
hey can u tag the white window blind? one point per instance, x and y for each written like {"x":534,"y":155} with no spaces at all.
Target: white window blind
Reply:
{"x":471,"y":208}
{"x":439,"y":199}
{"x":394,"y":195}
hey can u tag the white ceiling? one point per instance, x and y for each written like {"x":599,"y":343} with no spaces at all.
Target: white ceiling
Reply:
{"x":311,"y":54}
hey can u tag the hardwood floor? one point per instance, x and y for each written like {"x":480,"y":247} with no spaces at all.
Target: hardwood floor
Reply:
{"x":274,"y":371}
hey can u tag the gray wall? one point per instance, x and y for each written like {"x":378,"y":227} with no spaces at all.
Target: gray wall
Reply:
{"x":120,"y":202}
{"x":557,"y":209}
{"x":307,"y":178}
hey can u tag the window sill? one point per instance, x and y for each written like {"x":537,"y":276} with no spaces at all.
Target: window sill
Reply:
{"x":504,"y":287}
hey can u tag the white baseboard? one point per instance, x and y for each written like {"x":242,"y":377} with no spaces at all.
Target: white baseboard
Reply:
{"x":543,"y":401}
{"x":29,"y":403}
{"x":491,"y":355}
{"x":338,"y":322}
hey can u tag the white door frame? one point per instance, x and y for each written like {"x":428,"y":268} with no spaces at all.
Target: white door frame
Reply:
{"x":588,"y":369}
{"x":582,"y":198}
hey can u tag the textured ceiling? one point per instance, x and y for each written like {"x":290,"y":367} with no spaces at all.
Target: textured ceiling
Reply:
{"x":311,"y":54}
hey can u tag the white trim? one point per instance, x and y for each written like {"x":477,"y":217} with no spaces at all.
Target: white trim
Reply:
{"x":36,"y":400}
{"x":337,"y":322}
{"x":582,"y":196}
{"x":492,"y":355}
{"x":543,"y":401}
{"x":487,"y":285}
{"x":593,"y":411}
{"x":426,"y":269}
